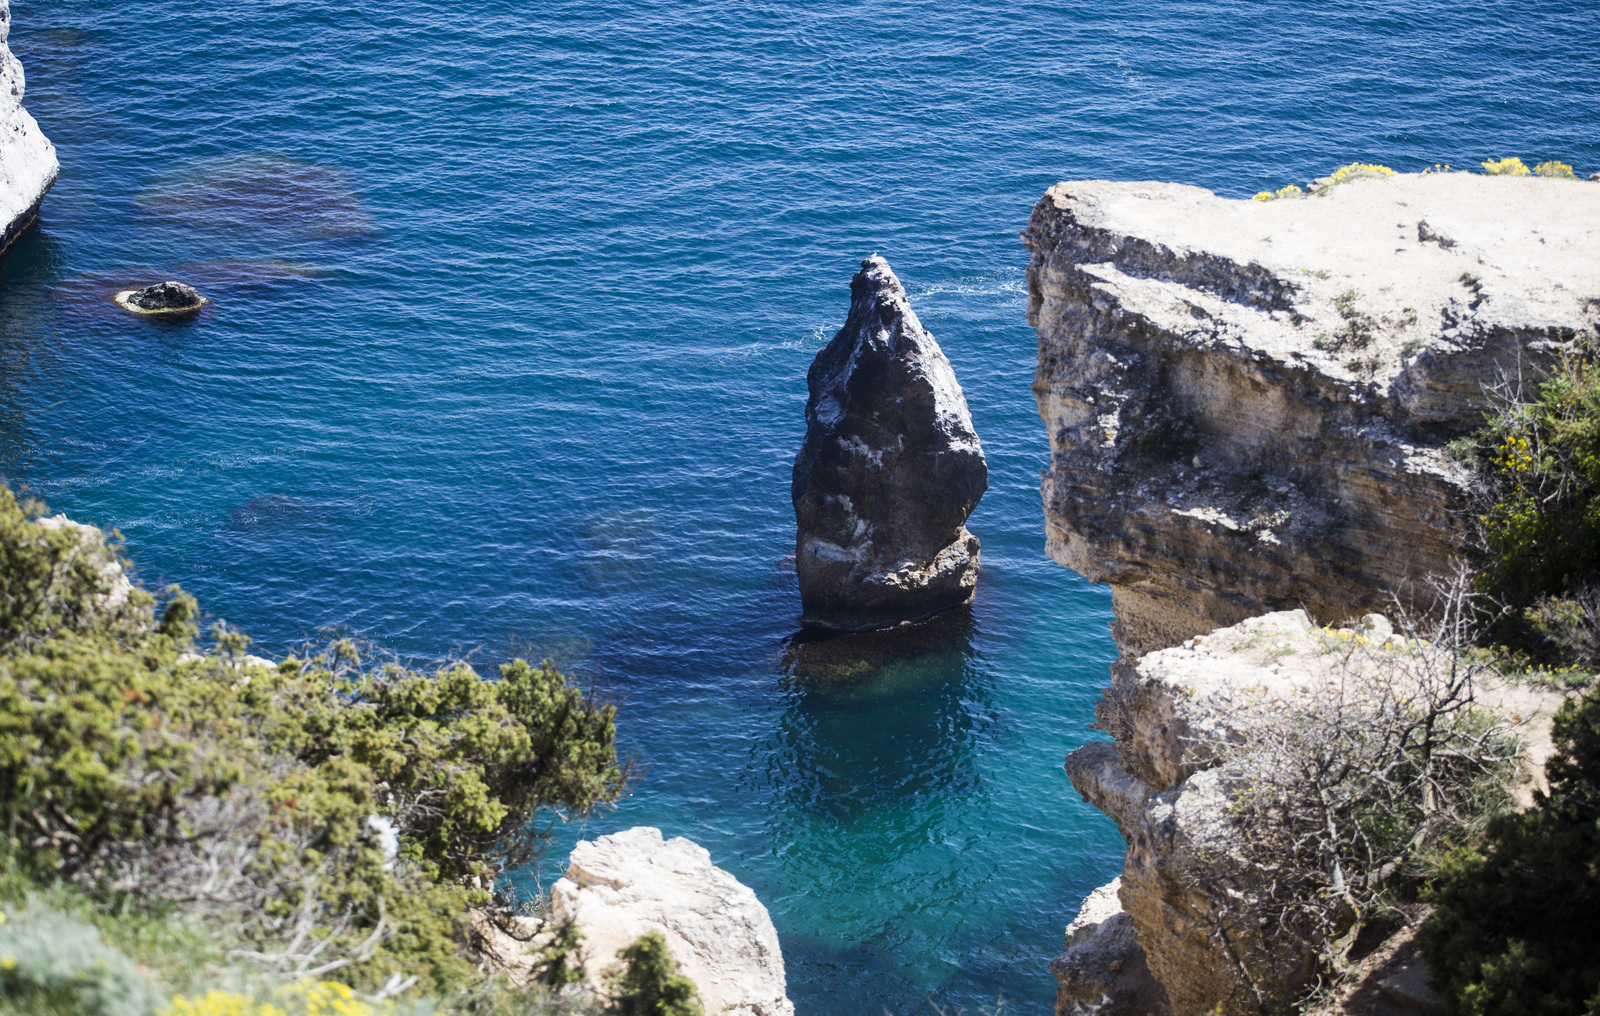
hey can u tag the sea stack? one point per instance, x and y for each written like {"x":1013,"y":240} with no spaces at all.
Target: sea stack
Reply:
{"x":28,"y":164}
{"x":889,"y":471}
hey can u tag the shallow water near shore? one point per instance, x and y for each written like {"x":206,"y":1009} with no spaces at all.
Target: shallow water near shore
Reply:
{"x":513,"y":312}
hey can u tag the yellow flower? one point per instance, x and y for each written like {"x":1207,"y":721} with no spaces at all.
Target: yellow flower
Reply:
{"x":1510,"y":166}
{"x":1357,"y":171}
{"x":1559,"y":170}
{"x":8,"y":963}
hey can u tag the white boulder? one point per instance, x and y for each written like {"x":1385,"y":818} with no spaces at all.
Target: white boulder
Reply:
{"x":621,"y":886}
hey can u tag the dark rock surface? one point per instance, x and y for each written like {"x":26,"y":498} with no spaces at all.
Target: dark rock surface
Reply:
{"x":163,"y":298}
{"x":889,"y":471}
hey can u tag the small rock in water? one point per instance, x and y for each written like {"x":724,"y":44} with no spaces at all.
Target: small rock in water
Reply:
{"x":164,"y":298}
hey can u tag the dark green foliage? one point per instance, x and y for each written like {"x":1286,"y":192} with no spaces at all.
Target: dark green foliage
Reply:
{"x":1517,"y":931}
{"x":560,"y":964}
{"x":153,"y":775}
{"x":650,"y":985}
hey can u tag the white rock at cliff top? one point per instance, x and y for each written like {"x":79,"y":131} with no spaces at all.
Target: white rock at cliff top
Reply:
{"x":28,"y":164}
{"x":621,"y":886}
{"x":1250,"y":403}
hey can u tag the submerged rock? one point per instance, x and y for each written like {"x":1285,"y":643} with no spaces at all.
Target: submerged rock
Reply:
{"x":28,"y":166}
{"x":621,"y":886}
{"x":164,"y":299}
{"x":889,"y":471}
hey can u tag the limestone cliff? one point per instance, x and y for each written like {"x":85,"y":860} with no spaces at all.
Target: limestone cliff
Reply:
{"x":1248,"y":402}
{"x":1248,"y":406}
{"x":1182,"y":886}
{"x":28,"y":165}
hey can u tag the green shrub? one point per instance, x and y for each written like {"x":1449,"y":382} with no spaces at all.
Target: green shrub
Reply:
{"x":323,"y":818}
{"x":1516,"y":932}
{"x":1553,"y":168}
{"x":55,"y":964}
{"x":1543,"y":527}
{"x":650,"y":984}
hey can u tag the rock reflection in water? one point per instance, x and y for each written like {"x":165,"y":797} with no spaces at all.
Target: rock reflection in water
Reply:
{"x":878,"y":719}
{"x":294,"y":200}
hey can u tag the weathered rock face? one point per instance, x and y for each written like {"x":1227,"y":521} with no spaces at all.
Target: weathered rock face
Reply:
{"x":621,"y":886}
{"x":1103,"y":970}
{"x":889,"y":471}
{"x":1182,"y":883}
{"x":93,"y":548}
{"x":1247,"y":402}
{"x":28,"y":165}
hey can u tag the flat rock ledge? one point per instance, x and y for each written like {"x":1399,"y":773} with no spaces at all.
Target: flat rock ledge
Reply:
{"x":1160,"y":782}
{"x":888,"y":473}
{"x":624,"y":885}
{"x":1248,"y":402}
{"x":28,"y":166}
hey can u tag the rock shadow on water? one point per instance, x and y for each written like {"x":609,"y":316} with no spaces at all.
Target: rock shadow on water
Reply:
{"x":257,"y":193}
{"x":271,"y":519}
{"x":616,"y":550}
{"x":879,"y":720}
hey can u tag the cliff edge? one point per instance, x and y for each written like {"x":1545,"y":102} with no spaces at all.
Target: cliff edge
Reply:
{"x":28,"y":166}
{"x":1249,"y":407}
{"x":1248,"y":402}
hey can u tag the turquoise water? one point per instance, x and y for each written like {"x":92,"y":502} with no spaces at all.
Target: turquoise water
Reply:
{"x":514,"y":308}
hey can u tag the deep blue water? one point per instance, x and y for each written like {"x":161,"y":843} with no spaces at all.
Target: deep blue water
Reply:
{"x":514,"y":308}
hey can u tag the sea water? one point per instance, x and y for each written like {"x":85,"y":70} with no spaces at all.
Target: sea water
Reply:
{"x":514,"y":305}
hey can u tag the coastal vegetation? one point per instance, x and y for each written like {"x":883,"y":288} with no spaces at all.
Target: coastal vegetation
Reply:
{"x":1509,"y":166}
{"x":185,"y":823}
{"x":1539,"y":453}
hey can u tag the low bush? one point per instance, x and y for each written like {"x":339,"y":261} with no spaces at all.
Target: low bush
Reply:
{"x":53,"y":963}
{"x":1515,"y":931}
{"x":650,"y":984}
{"x":1510,"y":166}
{"x":1343,"y":804}
{"x":1542,"y":523}
{"x":325,"y":818}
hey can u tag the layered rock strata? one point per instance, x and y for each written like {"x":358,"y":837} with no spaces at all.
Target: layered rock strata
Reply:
{"x":1182,"y":883}
{"x":28,"y":166}
{"x":627,"y":884}
{"x":1248,"y":402}
{"x":889,"y":471}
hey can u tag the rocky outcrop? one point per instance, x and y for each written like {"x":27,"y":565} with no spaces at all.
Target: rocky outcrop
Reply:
{"x":164,"y":299}
{"x":93,"y":550}
{"x":28,"y":165}
{"x":1103,"y":970}
{"x":621,"y":886}
{"x":1248,"y":402}
{"x":889,"y":471}
{"x":1182,"y":884}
